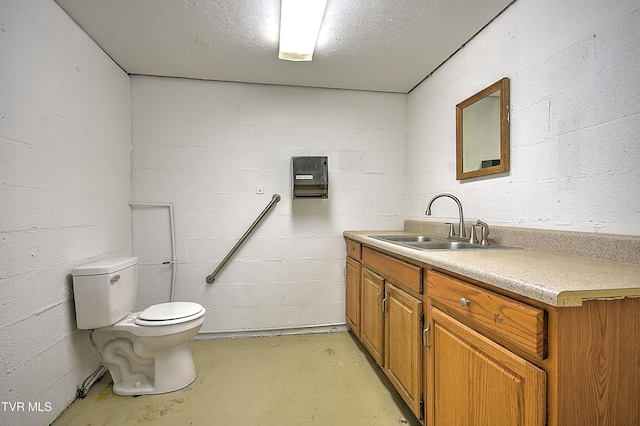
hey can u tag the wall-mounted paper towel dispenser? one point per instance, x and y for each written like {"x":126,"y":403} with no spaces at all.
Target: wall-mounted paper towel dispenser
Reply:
{"x":309,"y":177}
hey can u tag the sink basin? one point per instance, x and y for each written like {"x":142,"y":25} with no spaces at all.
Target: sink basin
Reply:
{"x":403,"y":238}
{"x":428,"y":242}
{"x":446,"y":245}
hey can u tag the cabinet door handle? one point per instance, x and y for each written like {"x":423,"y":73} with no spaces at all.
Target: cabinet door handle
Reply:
{"x":378,"y":298}
{"x":424,"y":336}
{"x":464,"y":302}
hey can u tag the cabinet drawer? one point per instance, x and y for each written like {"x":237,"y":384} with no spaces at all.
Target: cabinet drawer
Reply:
{"x":508,"y":322}
{"x":354,"y":249}
{"x":401,"y":272}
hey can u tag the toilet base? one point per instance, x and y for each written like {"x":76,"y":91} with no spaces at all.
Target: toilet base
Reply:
{"x":172,"y":369}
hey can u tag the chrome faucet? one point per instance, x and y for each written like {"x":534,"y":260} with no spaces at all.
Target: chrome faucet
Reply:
{"x":461,"y":231}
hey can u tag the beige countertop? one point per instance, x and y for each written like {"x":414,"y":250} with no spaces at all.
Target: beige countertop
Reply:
{"x":551,"y":278}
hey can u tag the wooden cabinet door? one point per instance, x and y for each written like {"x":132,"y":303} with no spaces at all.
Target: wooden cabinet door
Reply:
{"x":372,"y":325}
{"x":474,"y":381}
{"x":352,"y":314}
{"x":403,"y":346}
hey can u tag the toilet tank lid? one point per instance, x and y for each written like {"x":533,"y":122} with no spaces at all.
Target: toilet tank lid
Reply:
{"x":104,"y":266}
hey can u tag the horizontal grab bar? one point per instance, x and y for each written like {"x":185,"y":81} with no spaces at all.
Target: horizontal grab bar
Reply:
{"x":211,"y":278}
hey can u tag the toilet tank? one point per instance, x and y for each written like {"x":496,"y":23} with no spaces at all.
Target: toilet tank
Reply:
{"x":105,"y":291}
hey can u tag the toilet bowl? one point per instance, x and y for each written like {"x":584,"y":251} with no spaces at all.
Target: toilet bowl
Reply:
{"x":146,"y":352}
{"x":155,"y":358}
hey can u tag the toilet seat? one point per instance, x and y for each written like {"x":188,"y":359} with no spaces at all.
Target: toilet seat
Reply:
{"x":169,"y":313}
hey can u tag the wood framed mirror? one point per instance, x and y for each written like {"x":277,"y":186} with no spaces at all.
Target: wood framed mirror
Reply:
{"x":482,"y":132}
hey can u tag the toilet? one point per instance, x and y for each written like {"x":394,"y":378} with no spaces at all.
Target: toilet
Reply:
{"x":146,"y":352}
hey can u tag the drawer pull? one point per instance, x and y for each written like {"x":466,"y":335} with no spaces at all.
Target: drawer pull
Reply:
{"x":464,"y":302}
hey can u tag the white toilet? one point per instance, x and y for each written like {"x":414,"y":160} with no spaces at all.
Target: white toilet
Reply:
{"x":146,"y":352}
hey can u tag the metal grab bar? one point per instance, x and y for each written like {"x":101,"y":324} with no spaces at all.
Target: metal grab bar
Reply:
{"x":211,"y":278}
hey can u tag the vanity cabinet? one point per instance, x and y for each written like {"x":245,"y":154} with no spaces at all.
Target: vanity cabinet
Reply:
{"x":496,"y":354}
{"x":471,"y":379}
{"x":392,"y":319}
{"x":373,"y":315}
{"x":403,"y":347}
{"x":501,"y":358}
{"x":353,"y":274}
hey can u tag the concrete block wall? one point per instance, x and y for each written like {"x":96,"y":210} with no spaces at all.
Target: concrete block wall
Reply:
{"x":575,"y":120}
{"x":205,"y":147}
{"x":66,"y":174}
{"x":65,"y":150}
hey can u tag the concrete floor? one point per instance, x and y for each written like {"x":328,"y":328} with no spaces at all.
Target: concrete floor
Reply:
{"x":320,"y":379}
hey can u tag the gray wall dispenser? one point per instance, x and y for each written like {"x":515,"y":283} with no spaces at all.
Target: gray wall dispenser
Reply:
{"x":309,"y":177}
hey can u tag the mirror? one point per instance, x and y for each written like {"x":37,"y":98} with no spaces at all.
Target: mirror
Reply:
{"x":482,"y":132}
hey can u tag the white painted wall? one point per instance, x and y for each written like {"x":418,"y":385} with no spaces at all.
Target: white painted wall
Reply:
{"x":65,"y":150}
{"x":205,"y":146}
{"x":575,"y":120}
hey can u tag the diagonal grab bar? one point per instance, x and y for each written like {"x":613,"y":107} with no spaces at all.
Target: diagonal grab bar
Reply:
{"x":211,"y":278}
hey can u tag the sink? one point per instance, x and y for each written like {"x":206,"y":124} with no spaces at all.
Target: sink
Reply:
{"x":446,"y":245}
{"x":428,"y":242}
{"x":403,"y":238}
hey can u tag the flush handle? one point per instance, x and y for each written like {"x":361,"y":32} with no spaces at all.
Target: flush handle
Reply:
{"x":115,"y":279}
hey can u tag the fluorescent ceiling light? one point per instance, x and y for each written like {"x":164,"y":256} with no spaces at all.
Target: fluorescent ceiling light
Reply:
{"x":299,"y":27}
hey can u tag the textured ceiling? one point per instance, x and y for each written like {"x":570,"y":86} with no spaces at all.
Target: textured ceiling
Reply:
{"x":378,"y":45}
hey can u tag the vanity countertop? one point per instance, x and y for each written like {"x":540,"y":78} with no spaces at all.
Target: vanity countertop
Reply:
{"x":551,"y":278}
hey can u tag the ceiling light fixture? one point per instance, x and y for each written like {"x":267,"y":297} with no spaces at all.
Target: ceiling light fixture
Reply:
{"x":299,"y":27}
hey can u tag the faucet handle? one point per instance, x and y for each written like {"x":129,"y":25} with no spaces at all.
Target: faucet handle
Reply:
{"x":485,"y":232}
{"x":452,"y":230}
{"x":472,"y":238}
